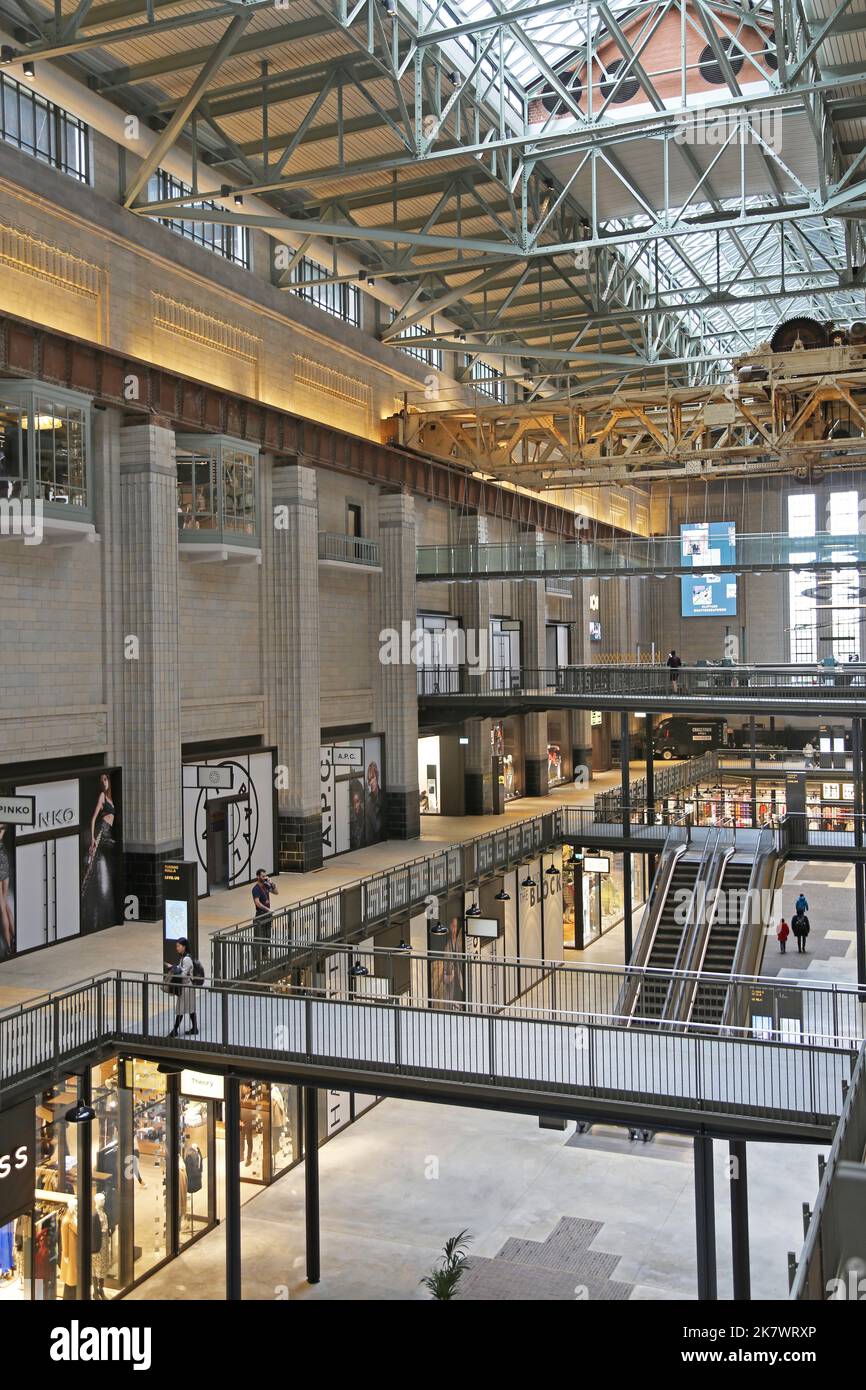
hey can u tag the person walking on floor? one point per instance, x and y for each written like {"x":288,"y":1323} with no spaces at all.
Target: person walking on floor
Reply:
{"x":674,"y":663}
{"x":801,"y":905}
{"x":181,"y":985}
{"x":782,"y":934}
{"x":801,"y":928}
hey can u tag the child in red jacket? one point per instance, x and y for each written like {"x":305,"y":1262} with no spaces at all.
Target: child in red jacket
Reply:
{"x":783,"y":933}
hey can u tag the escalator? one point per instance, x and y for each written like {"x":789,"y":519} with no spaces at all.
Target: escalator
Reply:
{"x":728,"y":917}
{"x":673,"y":920}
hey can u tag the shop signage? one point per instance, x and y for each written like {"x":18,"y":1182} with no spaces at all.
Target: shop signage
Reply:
{"x":202,"y":1084}
{"x":595,"y":718}
{"x":17,"y":1160}
{"x":596,"y":863}
{"x":347,"y":757}
{"x":56,"y":804}
{"x":18,"y":810}
{"x":221,"y":777}
{"x":830,"y":791}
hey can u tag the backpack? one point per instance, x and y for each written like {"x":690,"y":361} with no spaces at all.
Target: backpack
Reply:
{"x":197,"y":972}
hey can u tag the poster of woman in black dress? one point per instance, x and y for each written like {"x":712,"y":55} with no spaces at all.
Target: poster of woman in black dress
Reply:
{"x":374,"y":805}
{"x":100,"y":874}
{"x":7,"y":893}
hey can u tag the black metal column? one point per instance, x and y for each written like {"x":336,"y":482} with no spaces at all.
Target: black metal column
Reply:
{"x":85,"y":1191}
{"x":650,"y":773}
{"x":740,"y":1220}
{"x":624,"y":750}
{"x":233,"y":1188}
{"x":311,"y":1182}
{"x":174,"y":1215}
{"x":753,"y":787}
{"x":859,"y":769}
{"x":705,"y":1220}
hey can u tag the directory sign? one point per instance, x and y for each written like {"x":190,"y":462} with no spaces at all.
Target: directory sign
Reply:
{"x":706,"y":547}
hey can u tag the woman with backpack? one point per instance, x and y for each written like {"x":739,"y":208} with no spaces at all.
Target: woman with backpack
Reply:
{"x":180,"y":983}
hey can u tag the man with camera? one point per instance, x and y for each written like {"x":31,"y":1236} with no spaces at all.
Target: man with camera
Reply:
{"x":262,"y":890}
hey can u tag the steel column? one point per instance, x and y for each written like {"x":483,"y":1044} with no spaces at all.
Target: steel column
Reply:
{"x":311,"y":1182}
{"x":859,"y":769}
{"x":624,"y":750}
{"x":233,"y":1188}
{"x":740,"y":1220}
{"x":705,"y":1220}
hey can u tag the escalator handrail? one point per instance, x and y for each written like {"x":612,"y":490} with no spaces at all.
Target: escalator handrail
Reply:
{"x":682,"y":998}
{"x":744,"y":956}
{"x":693,"y":923}
{"x":675,"y":847}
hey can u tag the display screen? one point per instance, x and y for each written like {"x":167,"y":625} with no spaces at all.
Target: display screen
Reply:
{"x":175,"y":919}
{"x":706,"y":547}
{"x":488,"y":927}
{"x":595,"y":632}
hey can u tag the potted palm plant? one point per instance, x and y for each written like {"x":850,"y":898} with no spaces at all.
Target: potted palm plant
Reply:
{"x":443,"y":1281}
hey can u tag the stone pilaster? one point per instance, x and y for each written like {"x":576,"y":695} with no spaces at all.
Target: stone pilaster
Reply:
{"x":147,"y":682}
{"x":398,"y":683}
{"x":290,"y":640}
{"x":471,"y":603}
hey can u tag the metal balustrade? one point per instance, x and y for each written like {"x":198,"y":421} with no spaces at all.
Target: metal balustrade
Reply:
{"x":657,"y":556}
{"x":337,"y":548}
{"x":797,"y":689}
{"x":375,"y":897}
{"x":701,"y":1079}
{"x":832,"y":1262}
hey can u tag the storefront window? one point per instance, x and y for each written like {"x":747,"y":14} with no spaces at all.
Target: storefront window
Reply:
{"x":506,"y":743}
{"x":558,"y":751}
{"x":44,"y":447}
{"x":592,"y":893}
{"x":217,"y":490}
{"x":39,"y":1250}
{"x":197,"y":1190}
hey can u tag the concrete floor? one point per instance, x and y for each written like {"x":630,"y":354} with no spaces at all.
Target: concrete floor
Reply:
{"x":406,"y":1176}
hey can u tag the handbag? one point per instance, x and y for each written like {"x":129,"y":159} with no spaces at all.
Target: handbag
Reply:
{"x":172,"y":984}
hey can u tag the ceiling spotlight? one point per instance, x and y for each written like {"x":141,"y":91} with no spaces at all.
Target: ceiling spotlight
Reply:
{"x":371,"y":281}
{"x":7,"y":53}
{"x":225,"y":190}
{"x":362,"y":275}
{"x":390,"y":8}
{"x":239,"y":198}
{"x":529,"y":881}
{"x":80,"y":1114}
{"x":438,"y":929}
{"x":453,"y":78}
{"x":358,"y":969}
{"x":29,"y":70}
{"x":502,"y":896}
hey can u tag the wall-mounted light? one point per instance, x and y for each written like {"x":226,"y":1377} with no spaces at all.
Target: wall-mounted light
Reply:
{"x":29,"y":70}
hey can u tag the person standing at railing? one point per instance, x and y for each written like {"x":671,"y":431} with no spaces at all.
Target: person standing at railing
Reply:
{"x":809,"y":753}
{"x":262,"y":890}
{"x":674,"y":663}
{"x":782,"y":935}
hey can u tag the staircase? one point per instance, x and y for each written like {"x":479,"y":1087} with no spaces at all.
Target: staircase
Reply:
{"x":709,"y":999}
{"x":672,"y":921}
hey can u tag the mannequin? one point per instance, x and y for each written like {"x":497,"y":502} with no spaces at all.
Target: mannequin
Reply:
{"x":69,"y":1251}
{"x":100,"y":1245}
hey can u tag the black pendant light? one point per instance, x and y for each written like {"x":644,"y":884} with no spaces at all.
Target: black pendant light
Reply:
{"x":552,"y":872}
{"x":80,"y":1114}
{"x":358,"y":970}
{"x":438,"y":929}
{"x":529,"y":881}
{"x":502,"y":896}
{"x":473,"y":911}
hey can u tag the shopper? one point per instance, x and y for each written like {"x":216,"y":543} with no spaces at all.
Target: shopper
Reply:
{"x":262,"y":890}
{"x":782,"y":934}
{"x":180,"y":984}
{"x":801,"y":904}
{"x":674,"y":664}
{"x":801,"y":928}
{"x":809,"y":753}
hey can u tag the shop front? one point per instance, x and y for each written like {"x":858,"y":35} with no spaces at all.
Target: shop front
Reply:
{"x":441,"y":775}
{"x":559,"y":750}
{"x":352,"y":785}
{"x":506,"y":746}
{"x":229,"y":815}
{"x":592,"y":888}
{"x":61,"y":857}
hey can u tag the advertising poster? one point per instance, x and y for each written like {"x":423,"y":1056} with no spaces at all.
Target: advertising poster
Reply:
{"x":706,"y":547}
{"x":7,"y":891}
{"x":352,"y":794}
{"x":101,"y":851}
{"x":448,"y":973}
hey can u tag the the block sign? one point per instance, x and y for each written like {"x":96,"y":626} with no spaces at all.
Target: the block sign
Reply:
{"x":17,"y":1160}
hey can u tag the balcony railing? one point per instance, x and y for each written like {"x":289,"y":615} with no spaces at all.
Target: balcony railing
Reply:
{"x":656,"y":555}
{"x":338,"y":549}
